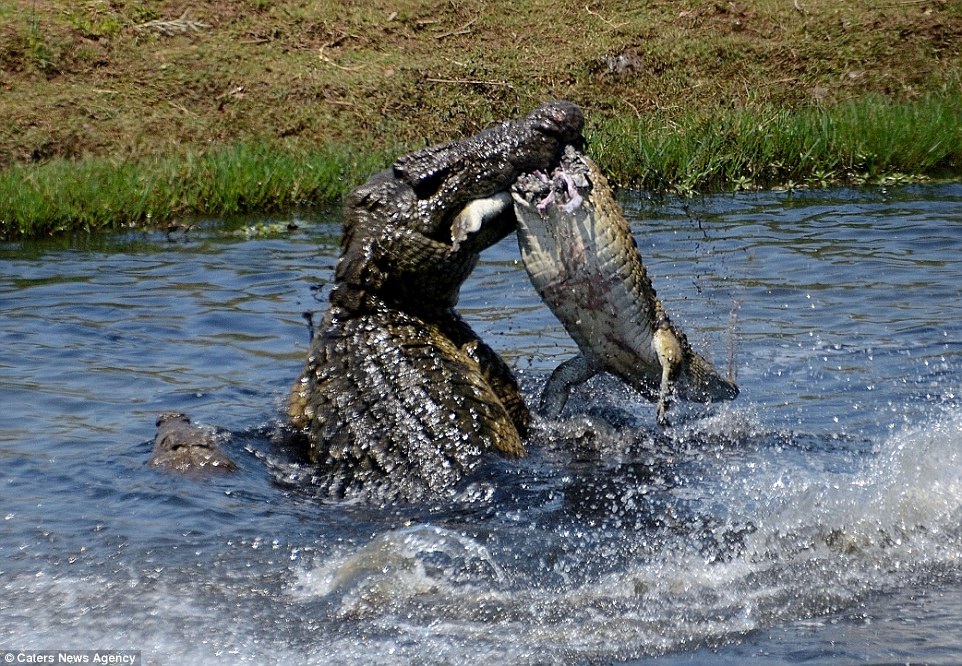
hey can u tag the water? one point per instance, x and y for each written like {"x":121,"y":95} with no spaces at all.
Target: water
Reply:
{"x":816,"y":519}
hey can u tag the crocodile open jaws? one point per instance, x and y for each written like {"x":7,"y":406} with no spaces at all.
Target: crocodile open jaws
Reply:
{"x":583,"y":260}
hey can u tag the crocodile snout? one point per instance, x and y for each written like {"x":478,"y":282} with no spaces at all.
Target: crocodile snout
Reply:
{"x":562,"y":119}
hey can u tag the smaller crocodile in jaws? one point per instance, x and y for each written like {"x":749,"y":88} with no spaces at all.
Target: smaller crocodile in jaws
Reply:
{"x":582,"y":259}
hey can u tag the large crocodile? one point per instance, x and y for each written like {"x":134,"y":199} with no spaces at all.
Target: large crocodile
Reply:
{"x":583,"y":260}
{"x":399,"y":398}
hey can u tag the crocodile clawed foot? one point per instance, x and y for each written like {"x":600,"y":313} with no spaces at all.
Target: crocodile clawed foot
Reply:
{"x":661,"y":416}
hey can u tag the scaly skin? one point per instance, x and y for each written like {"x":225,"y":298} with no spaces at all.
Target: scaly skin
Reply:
{"x":182,"y":447}
{"x":399,"y":398}
{"x":582,"y":259}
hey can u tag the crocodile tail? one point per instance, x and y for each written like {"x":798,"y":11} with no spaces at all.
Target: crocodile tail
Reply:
{"x":700,"y":382}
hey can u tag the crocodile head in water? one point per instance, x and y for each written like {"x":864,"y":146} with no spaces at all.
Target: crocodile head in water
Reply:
{"x":183,"y":447}
{"x":583,"y":260}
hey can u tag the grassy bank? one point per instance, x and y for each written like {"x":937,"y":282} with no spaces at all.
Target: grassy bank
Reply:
{"x":867,"y":141}
{"x":126,"y":111}
{"x":99,"y":193}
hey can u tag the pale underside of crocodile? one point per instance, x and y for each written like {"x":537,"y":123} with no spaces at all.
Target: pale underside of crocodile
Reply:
{"x":582,"y":259}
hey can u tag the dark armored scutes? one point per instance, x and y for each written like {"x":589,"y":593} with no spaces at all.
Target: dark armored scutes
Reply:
{"x":581,"y":257}
{"x":399,"y":398}
{"x":182,"y":447}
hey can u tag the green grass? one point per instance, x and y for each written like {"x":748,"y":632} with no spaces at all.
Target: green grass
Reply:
{"x":96,"y":194}
{"x":857,"y":142}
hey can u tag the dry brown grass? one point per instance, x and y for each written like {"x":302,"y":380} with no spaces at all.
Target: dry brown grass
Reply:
{"x":103,"y":77}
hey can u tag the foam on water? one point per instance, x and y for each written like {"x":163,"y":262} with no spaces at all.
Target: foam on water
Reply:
{"x":792,"y":541}
{"x":814,"y":545}
{"x":404,"y":563}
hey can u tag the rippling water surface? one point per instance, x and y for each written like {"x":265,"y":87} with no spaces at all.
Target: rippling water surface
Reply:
{"x":816,"y":519}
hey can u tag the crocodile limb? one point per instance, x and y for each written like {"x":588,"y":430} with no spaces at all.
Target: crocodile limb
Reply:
{"x":582,"y":259}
